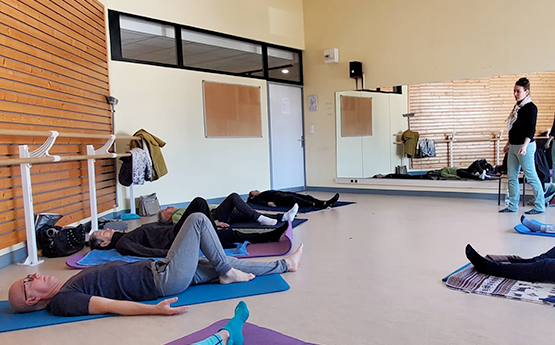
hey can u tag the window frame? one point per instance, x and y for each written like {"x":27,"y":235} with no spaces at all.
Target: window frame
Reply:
{"x":116,"y":48}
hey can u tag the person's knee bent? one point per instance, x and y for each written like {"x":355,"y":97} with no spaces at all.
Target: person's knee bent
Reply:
{"x":234,"y":196}
{"x":198,"y":218}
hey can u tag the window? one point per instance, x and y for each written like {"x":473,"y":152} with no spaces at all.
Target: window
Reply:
{"x":283,"y":64}
{"x":147,"y":41}
{"x":207,"y":51}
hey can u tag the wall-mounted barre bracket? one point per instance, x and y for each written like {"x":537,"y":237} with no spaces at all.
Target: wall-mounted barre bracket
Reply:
{"x":104,"y":149}
{"x":43,"y":150}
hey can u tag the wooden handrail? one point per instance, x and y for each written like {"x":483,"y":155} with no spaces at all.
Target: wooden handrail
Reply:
{"x":52,"y":159}
{"x":17,"y":132}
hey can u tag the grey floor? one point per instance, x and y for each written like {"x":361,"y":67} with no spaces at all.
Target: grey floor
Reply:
{"x":371,"y":274}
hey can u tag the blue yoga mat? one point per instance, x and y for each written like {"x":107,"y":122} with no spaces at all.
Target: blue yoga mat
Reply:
{"x":9,"y":321}
{"x":520,"y":228}
{"x":301,"y":209}
{"x":98,"y":257}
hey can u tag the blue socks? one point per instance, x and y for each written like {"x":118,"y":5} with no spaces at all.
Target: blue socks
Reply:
{"x":235,"y":325}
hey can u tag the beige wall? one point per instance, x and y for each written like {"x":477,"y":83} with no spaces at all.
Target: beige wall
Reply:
{"x":168,"y":102}
{"x":404,"y":42}
{"x":272,"y":21}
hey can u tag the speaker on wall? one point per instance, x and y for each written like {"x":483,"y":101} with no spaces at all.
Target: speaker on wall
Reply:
{"x":355,"y":69}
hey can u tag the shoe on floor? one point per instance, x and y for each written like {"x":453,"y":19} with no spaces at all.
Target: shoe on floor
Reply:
{"x":506,"y":210}
{"x":533,"y":211}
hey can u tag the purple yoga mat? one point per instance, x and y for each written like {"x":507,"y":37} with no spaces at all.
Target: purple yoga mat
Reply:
{"x":282,"y":247}
{"x":255,"y":250}
{"x":252,"y":334}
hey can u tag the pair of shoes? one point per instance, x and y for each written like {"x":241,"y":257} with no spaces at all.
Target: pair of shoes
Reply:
{"x":533,"y":211}
{"x":331,"y":201}
{"x":506,"y":210}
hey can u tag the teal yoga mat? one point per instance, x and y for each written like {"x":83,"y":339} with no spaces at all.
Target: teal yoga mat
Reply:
{"x":9,"y":321}
{"x":520,"y":228}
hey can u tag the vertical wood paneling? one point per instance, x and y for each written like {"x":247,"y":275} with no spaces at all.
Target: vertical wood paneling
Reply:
{"x":473,"y":108}
{"x":53,"y":76}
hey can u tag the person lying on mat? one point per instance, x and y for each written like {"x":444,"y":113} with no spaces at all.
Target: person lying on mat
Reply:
{"x":112,"y":288}
{"x":275,"y":198}
{"x":537,"y":226}
{"x":537,"y":269}
{"x":154,"y":240}
{"x":232,"y":209}
{"x":232,"y":332}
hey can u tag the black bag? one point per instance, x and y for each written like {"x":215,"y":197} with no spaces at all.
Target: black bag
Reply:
{"x":56,"y":241}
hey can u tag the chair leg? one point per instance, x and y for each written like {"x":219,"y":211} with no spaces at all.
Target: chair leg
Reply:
{"x":524,"y":191}
{"x":499,"y":192}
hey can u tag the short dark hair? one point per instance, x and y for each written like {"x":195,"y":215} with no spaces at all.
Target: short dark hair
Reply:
{"x":524,"y":82}
{"x":95,"y":242}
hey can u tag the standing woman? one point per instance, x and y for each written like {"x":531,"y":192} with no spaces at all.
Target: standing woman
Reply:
{"x":521,"y":147}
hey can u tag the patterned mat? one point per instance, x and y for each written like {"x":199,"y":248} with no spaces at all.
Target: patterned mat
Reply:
{"x":469,"y":280}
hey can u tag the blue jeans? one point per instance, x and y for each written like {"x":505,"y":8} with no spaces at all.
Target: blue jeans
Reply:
{"x":514,"y":162}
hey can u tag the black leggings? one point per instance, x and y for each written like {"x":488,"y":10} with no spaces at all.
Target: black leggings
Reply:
{"x":227,"y":236}
{"x":537,"y":269}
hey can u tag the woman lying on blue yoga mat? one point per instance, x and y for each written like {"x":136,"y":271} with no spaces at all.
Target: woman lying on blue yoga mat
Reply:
{"x":112,"y":287}
{"x":537,"y":269}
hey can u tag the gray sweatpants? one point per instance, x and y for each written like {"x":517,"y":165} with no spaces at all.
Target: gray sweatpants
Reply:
{"x":182,"y":266}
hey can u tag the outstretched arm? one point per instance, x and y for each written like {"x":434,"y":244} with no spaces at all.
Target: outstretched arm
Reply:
{"x":102,"y":305}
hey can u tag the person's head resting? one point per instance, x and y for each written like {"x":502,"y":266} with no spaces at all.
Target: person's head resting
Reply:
{"x":33,"y":292}
{"x":522,"y":89}
{"x":102,"y":239}
{"x":165,"y":215}
{"x":253,"y":193}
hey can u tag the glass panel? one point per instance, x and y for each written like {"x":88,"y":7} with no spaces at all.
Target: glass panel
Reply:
{"x":216,"y":53}
{"x":147,"y":41}
{"x":283,"y":64}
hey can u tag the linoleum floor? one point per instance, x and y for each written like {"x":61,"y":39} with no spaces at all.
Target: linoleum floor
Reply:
{"x":370,"y":274}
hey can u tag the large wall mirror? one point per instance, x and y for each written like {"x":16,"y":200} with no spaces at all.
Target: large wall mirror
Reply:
{"x":465,"y":118}
{"x":365,"y":122}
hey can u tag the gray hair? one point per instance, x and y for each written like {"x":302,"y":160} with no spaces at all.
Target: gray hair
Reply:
{"x":162,"y":219}
{"x":95,"y":242}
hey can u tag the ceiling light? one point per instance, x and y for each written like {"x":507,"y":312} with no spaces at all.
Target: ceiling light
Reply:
{"x":284,"y":71}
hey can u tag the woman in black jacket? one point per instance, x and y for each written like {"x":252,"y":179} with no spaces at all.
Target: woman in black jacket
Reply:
{"x":521,"y":147}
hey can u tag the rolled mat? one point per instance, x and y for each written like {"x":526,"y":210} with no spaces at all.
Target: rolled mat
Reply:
{"x":467,"y":279}
{"x":10,"y":321}
{"x":252,"y":335}
{"x":303,"y":209}
{"x":520,"y":228}
{"x":254,"y":250}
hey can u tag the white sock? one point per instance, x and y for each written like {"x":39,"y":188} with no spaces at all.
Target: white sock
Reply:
{"x":290,"y":215}
{"x":266,"y":221}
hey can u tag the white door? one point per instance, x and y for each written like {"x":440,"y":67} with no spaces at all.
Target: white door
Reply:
{"x":286,"y":137}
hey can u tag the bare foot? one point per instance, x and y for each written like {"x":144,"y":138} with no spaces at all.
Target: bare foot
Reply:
{"x":235,"y":276}
{"x":292,"y":260}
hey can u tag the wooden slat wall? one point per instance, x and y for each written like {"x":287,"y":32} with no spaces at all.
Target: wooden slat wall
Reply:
{"x":473,"y":108}
{"x":53,"y":76}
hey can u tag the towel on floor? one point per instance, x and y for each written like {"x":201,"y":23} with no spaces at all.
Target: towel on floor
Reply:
{"x":470,"y":280}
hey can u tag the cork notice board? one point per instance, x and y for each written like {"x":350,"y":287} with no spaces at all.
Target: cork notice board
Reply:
{"x":232,"y":110}
{"x":356,"y":116}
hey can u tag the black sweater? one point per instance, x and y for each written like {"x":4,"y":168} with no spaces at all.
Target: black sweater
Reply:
{"x":525,"y":125}
{"x":149,"y":240}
